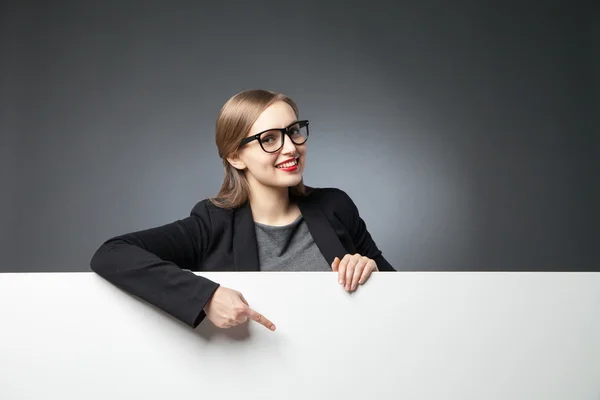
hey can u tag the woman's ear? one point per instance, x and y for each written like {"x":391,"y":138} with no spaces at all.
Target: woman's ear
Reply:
{"x":236,"y":162}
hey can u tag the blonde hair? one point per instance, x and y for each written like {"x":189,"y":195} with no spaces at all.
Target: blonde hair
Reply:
{"x":234,"y":122}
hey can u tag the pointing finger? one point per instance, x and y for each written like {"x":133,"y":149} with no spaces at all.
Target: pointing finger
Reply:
{"x":260,"y":319}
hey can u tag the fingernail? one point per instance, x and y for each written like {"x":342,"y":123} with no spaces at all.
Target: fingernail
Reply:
{"x":341,"y":282}
{"x":347,"y":287}
{"x":353,"y":287}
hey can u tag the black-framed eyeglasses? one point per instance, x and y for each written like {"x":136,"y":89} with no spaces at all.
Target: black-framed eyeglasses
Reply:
{"x":272,"y":140}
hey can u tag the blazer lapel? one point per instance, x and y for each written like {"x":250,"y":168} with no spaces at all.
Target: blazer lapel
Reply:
{"x":245,"y":252}
{"x":321,"y":229}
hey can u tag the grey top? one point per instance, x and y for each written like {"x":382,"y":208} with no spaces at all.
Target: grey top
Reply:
{"x":288,"y":248}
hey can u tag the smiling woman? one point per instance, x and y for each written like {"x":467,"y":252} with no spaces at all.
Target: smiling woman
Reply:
{"x":258,"y":131}
{"x":262,"y":219}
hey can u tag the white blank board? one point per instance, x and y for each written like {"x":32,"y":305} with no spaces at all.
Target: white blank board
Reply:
{"x":405,"y":335}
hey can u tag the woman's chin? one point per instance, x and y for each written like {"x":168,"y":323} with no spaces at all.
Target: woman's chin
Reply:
{"x":289,"y":181}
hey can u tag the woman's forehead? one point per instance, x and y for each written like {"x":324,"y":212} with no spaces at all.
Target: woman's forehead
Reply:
{"x":277,"y":115}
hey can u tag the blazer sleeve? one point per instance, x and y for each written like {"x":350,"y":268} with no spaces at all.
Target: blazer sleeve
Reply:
{"x":364,"y":243}
{"x":153,"y":265}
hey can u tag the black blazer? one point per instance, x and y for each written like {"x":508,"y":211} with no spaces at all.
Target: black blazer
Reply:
{"x":154,"y":264}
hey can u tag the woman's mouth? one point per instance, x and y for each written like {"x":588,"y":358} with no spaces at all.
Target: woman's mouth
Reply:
{"x":288,"y":166}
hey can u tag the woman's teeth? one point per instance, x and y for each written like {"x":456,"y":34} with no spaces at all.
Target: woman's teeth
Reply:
{"x":288,"y":164}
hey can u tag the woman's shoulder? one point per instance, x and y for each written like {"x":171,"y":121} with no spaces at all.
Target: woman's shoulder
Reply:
{"x":206,"y":208}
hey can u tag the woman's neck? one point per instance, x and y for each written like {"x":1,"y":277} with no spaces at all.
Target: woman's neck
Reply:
{"x":272,"y":206}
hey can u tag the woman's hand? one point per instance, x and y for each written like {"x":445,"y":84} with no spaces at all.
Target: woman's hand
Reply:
{"x":228,"y":308}
{"x":353,"y":270}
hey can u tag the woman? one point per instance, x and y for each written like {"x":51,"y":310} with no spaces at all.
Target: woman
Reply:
{"x":262,"y":219}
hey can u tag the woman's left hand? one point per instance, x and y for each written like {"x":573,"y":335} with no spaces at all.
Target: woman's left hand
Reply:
{"x":353,"y":270}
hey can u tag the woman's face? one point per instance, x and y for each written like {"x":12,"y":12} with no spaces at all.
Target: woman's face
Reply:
{"x":272,"y":169}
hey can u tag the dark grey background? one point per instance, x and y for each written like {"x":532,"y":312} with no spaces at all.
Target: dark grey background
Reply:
{"x":466,"y":133}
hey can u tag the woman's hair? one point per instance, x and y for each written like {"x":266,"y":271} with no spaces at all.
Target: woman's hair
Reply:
{"x":234,"y":122}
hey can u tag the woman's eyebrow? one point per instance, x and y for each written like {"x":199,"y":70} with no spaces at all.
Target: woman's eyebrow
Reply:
{"x":271,"y":129}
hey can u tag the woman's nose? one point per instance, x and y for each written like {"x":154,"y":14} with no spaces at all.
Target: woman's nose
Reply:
{"x":288,"y":145}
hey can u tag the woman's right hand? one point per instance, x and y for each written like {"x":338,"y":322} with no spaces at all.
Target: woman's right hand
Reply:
{"x":228,"y":308}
